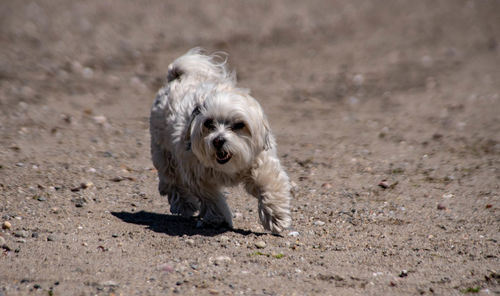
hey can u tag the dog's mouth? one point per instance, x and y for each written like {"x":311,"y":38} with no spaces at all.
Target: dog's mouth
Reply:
{"x":222,"y":156}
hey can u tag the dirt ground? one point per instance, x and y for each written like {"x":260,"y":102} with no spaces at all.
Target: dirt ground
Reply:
{"x":357,"y":92}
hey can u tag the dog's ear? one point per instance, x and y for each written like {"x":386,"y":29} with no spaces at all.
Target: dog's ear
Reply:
{"x":187,"y":137}
{"x":174,"y":73}
{"x":267,"y":135}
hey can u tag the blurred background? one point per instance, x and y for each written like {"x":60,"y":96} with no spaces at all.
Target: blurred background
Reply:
{"x":305,"y":47}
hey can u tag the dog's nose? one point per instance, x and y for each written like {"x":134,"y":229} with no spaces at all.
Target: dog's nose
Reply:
{"x":218,"y":142}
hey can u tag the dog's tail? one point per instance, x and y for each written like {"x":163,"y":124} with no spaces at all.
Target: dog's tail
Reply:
{"x":195,"y":62}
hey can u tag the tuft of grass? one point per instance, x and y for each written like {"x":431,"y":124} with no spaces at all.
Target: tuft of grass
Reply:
{"x":471,"y":290}
{"x":277,"y":256}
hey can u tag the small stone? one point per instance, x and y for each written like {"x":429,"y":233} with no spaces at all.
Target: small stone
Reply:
{"x":34,"y":235}
{"x":79,"y":202}
{"x":100,"y":119}
{"x":441,"y":206}
{"x":358,"y":79}
{"x":55,"y":210}
{"x":166,"y":268}
{"x":237,"y":215}
{"x":326,"y":185}
{"x":190,"y":242}
{"x":21,"y":233}
{"x":110,"y":284}
{"x":41,"y":198}
{"x":87,"y":73}
{"x":404,"y":273}
{"x":6,"y":225}
{"x":293,"y":233}
{"x":221,"y":260}
{"x":21,"y":241}
{"x":86,"y":185}
{"x":319,"y":223}
{"x":51,"y":238}
{"x":114,"y":235}
{"x":383,"y":184}
{"x":2,"y":241}
{"x":260,"y":244}
{"x":213,"y":292}
{"x":223,"y":239}
{"x":448,"y":195}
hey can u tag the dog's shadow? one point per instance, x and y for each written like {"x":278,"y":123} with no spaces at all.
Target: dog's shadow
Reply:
{"x":175,"y":225}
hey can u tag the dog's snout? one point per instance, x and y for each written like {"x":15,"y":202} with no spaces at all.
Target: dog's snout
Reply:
{"x":218,"y":142}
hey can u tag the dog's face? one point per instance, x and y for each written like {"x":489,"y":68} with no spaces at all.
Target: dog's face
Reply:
{"x":227,"y":131}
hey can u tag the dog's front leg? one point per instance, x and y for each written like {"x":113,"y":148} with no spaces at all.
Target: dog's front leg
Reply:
{"x":214,"y":209}
{"x":270,"y":185}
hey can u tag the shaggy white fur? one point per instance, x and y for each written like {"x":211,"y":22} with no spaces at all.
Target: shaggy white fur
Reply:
{"x":206,"y":133}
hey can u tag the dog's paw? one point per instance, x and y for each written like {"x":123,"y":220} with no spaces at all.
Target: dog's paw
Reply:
{"x":181,"y":206}
{"x":274,"y":221}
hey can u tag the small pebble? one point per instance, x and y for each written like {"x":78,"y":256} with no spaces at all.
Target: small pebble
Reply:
{"x":293,"y":233}
{"x":34,"y":235}
{"x":223,"y":239}
{"x":441,"y":206}
{"x":358,"y":79}
{"x":404,"y":273}
{"x":110,"y":284}
{"x":319,"y":223}
{"x":21,"y":241}
{"x":448,"y":195}
{"x":260,"y":244}
{"x":100,"y":119}
{"x":190,"y":242}
{"x":51,"y":238}
{"x":166,"y":268}
{"x":21,"y":233}
{"x":41,"y":198}
{"x":6,"y":225}
{"x":326,"y":185}
{"x":221,"y":260}
{"x":87,"y":73}
{"x":384,"y":184}
{"x":114,"y":235}
{"x":2,"y":241}
{"x":86,"y":185}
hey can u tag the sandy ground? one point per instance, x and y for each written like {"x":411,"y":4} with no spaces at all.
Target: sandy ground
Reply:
{"x":357,"y":92}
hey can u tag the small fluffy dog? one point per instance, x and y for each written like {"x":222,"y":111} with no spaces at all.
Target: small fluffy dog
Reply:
{"x":206,"y":133}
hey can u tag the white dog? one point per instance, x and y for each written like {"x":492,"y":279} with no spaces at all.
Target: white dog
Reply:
{"x":206,"y":133}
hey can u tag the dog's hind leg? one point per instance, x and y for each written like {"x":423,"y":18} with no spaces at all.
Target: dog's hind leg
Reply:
{"x":181,"y":202}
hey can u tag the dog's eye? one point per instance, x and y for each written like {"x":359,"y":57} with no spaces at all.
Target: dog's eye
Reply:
{"x":238,"y":126}
{"x":209,"y":123}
